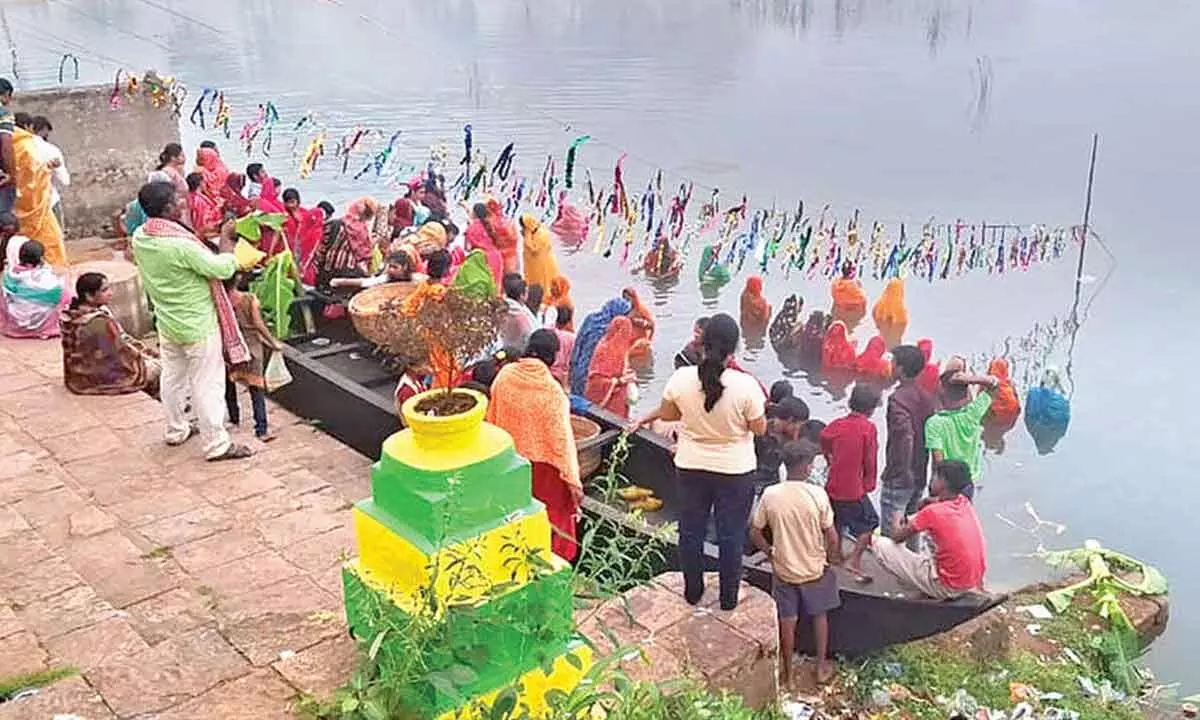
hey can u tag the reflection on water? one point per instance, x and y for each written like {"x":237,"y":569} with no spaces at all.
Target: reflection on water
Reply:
{"x":905,"y":108}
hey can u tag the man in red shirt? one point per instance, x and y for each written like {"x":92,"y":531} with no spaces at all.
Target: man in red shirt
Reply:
{"x":851,"y":447}
{"x":960,"y":556}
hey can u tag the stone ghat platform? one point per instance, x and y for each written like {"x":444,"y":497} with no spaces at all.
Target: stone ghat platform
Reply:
{"x":186,"y":590}
{"x":180,"y":590}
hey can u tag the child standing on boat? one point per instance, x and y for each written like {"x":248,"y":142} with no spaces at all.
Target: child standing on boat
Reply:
{"x":851,"y":447}
{"x":803,"y":546}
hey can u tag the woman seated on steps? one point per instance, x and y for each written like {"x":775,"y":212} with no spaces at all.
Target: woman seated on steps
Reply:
{"x":99,"y":358}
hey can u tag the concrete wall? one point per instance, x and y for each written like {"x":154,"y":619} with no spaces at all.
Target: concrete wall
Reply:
{"x":108,"y":152}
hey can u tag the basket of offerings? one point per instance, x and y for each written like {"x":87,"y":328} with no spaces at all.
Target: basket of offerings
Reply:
{"x":374,"y":310}
{"x":589,"y":453}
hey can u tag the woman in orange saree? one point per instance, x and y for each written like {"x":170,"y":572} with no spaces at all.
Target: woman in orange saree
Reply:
{"x":33,"y":208}
{"x":891,"y":316}
{"x":609,"y":375}
{"x":756,"y":312}
{"x":560,"y":296}
{"x":641,"y":354}
{"x":849,"y":299}
{"x":1006,"y":405}
{"x":532,"y":407}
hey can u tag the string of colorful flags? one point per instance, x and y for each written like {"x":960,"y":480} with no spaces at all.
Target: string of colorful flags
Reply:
{"x":622,"y":224}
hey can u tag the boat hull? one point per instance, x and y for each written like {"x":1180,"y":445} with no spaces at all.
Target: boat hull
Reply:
{"x":343,"y":388}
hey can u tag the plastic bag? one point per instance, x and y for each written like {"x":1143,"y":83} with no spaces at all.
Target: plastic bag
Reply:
{"x":277,"y":375}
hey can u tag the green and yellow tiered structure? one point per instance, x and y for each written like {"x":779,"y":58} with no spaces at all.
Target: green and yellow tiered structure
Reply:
{"x":452,"y":535}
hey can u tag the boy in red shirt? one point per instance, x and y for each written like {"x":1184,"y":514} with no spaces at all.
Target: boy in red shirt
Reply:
{"x":851,"y":448}
{"x":960,"y":558}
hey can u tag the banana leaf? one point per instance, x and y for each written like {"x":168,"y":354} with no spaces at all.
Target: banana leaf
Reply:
{"x":275,"y":290}
{"x":250,"y":227}
{"x":1099,"y":563}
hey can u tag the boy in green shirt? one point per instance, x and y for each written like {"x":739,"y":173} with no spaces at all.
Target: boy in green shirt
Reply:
{"x":955,"y":432}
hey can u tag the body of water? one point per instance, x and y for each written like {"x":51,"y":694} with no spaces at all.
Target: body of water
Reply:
{"x":905,"y":109}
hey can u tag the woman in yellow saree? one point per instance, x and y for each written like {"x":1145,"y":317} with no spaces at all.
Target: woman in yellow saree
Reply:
{"x":33,"y":209}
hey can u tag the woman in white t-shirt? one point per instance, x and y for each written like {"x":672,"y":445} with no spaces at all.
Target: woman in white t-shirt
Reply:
{"x":720,"y":410}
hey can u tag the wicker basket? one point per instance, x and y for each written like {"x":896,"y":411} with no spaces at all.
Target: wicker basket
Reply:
{"x":589,"y":458}
{"x":369,"y":308}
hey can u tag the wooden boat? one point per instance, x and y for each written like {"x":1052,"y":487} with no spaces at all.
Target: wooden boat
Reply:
{"x":338,"y":381}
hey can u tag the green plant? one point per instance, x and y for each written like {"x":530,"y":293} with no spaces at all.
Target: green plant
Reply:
{"x":1118,"y":646}
{"x":11,"y":686}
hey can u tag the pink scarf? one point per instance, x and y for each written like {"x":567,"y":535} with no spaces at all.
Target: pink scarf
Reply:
{"x":234,"y":345}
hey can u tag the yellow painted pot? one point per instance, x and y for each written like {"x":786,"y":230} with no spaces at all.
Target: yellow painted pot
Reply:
{"x":460,"y":430}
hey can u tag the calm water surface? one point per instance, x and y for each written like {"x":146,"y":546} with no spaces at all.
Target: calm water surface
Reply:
{"x":907,"y":109}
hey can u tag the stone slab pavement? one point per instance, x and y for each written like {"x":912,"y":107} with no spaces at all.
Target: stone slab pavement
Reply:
{"x":180,"y":589}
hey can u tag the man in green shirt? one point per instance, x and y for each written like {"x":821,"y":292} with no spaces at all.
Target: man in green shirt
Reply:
{"x":956,"y":431}
{"x":177,"y":270}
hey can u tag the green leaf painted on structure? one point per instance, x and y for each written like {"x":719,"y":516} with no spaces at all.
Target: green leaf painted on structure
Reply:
{"x":505,"y":703}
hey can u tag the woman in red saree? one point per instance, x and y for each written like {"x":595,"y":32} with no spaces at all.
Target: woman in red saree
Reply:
{"x":268,"y":201}
{"x":503,"y":236}
{"x":641,"y":354}
{"x":609,"y":375}
{"x":871,"y":364}
{"x":849,"y":298}
{"x":532,"y":407}
{"x":480,"y":235}
{"x":203,"y":210}
{"x":303,"y":230}
{"x":209,"y":164}
{"x":930,"y":378}
{"x":232,"y":200}
{"x":756,"y":312}
{"x":837,"y":350}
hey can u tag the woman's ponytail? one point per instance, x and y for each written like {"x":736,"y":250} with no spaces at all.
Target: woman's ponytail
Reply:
{"x":719,"y":342}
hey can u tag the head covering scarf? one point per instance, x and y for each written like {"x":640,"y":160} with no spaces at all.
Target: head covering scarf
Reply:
{"x":560,"y":292}
{"x":590,"y":333}
{"x":849,"y":300}
{"x":643,"y":319}
{"x":479,"y":237}
{"x":785,"y":328}
{"x":540,"y":264}
{"x":812,"y":339}
{"x":401,"y":214}
{"x":608,"y":364}
{"x":430,"y":237}
{"x":930,"y":378}
{"x":756,"y":312}
{"x":210,"y":165}
{"x":837,"y":350}
{"x":1006,"y":406}
{"x":357,"y":223}
{"x":503,"y":236}
{"x":474,"y":278}
{"x":872,"y":364}
{"x":231,"y":195}
{"x":530,"y":404}
{"x":890,"y":314}
{"x":570,"y":227}
{"x":712,"y":272}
